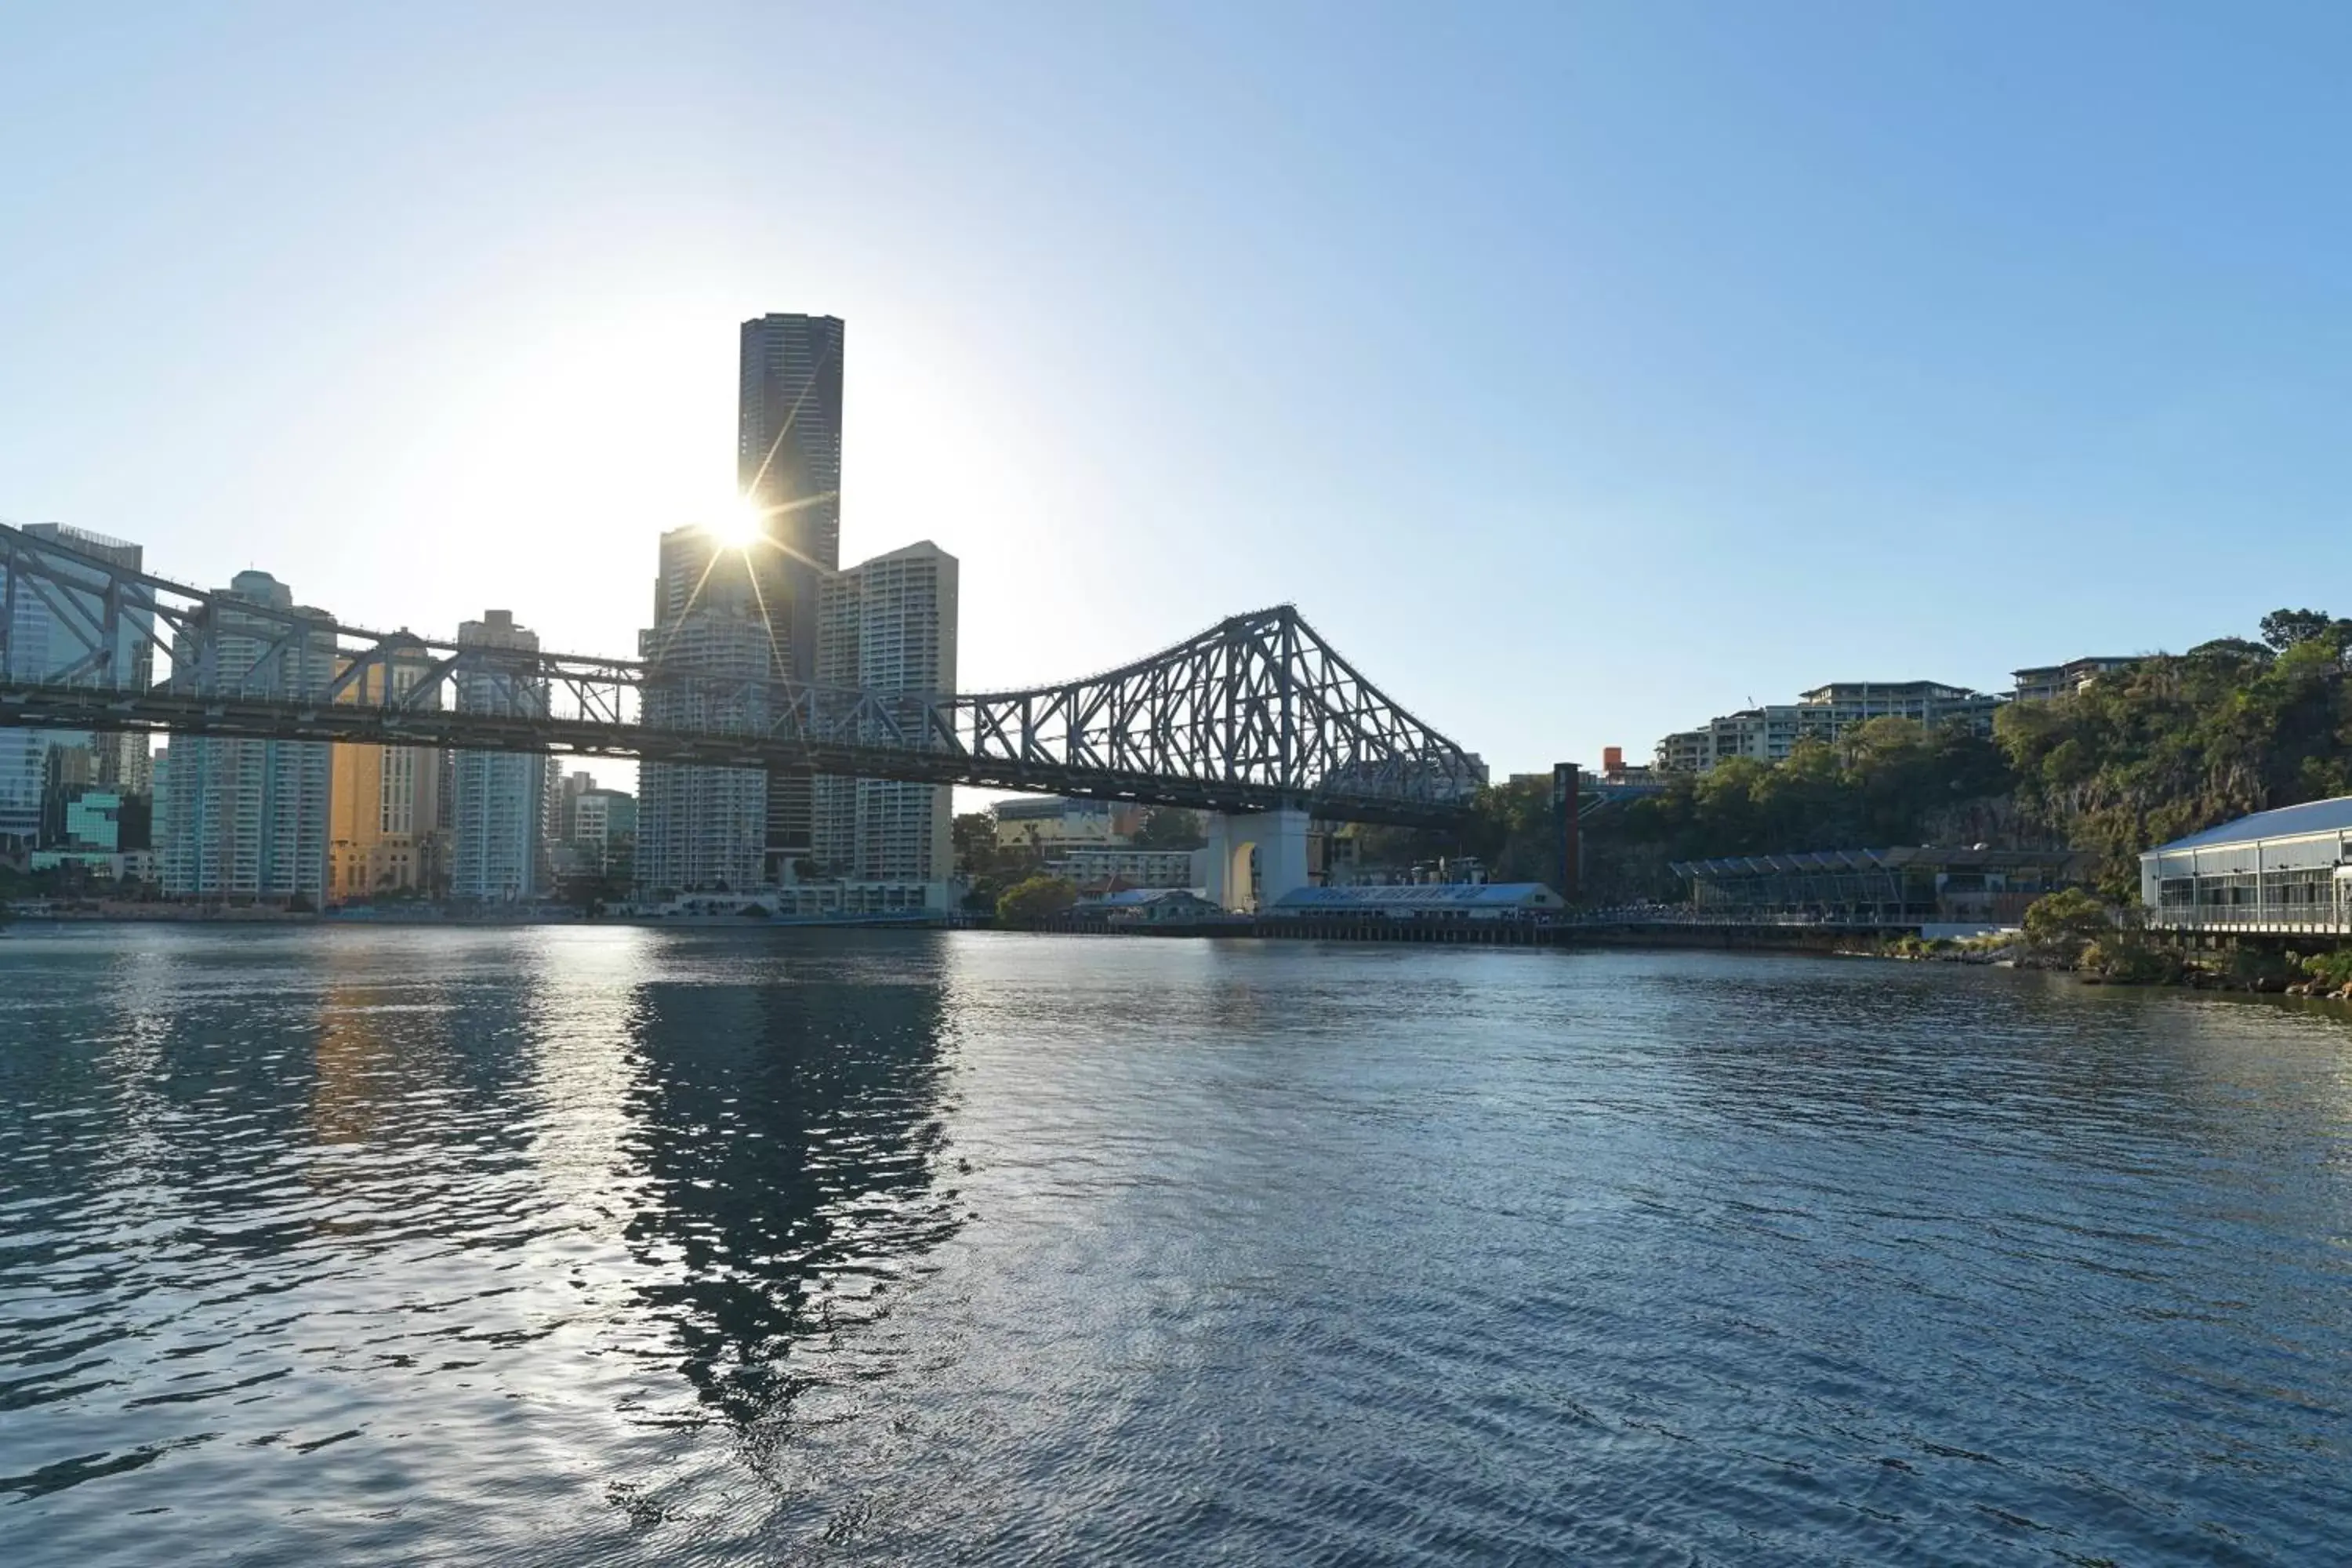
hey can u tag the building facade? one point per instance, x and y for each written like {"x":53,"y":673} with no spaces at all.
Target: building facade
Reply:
{"x":2284,"y":872}
{"x":889,"y":625}
{"x":1770,"y":732}
{"x":500,"y":855}
{"x":2046,"y":682}
{"x":788,"y":462}
{"x":385,"y":802}
{"x":59,"y":633}
{"x":603,"y":820}
{"x":1092,"y":867}
{"x":704,"y":829}
{"x":1049,"y":823}
{"x":246,"y":821}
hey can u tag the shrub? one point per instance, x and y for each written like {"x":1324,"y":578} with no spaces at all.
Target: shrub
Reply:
{"x":2125,"y":958}
{"x":2062,"y":924}
{"x":1035,"y":901}
{"x":2333,"y":970}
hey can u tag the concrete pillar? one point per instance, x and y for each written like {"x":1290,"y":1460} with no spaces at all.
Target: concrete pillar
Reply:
{"x":1279,"y":841}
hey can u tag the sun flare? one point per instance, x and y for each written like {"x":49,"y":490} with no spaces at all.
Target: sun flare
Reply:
{"x":740,"y":523}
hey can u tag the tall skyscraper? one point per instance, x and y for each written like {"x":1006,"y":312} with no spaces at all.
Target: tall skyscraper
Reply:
{"x":500,"y":855}
{"x":889,"y":625}
{"x":385,"y":805}
{"x":788,"y":431}
{"x":788,"y":459}
{"x":247,"y":820}
{"x":61,"y":632}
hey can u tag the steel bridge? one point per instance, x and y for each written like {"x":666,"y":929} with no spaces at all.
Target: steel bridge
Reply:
{"x":1257,"y":714}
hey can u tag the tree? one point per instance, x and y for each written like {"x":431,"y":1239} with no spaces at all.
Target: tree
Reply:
{"x":974,"y":834}
{"x":1035,"y":901}
{"x":2066,"y":923}
{"x":2284,"y":628}
{"x":2229,"y":650}
{"x":1168,"y":827}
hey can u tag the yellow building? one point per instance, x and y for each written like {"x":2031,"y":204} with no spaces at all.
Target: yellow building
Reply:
{"x":384,"y":805}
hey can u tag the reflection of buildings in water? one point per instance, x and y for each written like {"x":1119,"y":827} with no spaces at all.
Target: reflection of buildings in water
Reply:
{"x":351,"y":1059}
{"x":788,"y":1134}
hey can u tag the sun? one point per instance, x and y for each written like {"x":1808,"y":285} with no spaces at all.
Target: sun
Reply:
{"x":741,"y":523}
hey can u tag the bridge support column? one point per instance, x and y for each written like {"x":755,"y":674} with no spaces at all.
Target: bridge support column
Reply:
{"x":1277,"y":838}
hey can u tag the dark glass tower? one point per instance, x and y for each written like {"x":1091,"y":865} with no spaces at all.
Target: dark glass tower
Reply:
{"x":788,"y":458}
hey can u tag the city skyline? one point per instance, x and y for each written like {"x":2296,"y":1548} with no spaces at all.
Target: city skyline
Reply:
{"x":1619,"y":324}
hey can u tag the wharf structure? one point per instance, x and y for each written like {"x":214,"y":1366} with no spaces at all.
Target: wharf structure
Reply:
{"x":1905,"y":887}
{"x":2286,"y":872}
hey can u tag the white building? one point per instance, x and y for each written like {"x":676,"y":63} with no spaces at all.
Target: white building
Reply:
{"x":1100,"y":865}
{"x":1770,"y":732}
{"x":889,"y":625}
{"x":501,"y":804}
{"x":600,"y":817}
{"x":246,"y":821}
{"x":704,"y":829}
{"x":2047,"y":682}
{"x":2283,"y":872}
{"x":52,"y":635}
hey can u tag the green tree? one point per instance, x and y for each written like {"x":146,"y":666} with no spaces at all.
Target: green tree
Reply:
{"x":2282,"y":629}
{"x":2062,"y":925}
{"x":2178,"y":743}
{"x":1035,"y":901}
{"x":1168,"y":827}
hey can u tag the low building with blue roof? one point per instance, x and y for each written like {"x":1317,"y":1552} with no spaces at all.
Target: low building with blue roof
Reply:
{"x":1419,"y":901}
{"x":2286,"y":872}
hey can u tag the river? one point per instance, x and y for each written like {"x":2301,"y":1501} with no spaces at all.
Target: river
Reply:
{"x":572,"y":1245}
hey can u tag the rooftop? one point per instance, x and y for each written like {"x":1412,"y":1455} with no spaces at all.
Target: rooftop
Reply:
{"x":1873,"y":859}
{"x":1420,"y":895}
{"x":1128,"y":898}
{"x":2286,"y":822}
{"x":1036,"y":807}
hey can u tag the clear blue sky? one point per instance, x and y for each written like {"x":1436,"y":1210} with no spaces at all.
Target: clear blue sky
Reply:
{"x":1582,"y":371}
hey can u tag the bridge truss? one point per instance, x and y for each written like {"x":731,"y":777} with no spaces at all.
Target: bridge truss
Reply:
{"x":1254,"y":713}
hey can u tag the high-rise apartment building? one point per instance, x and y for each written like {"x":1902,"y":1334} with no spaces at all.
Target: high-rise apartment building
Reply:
{"x":384,"y":803}
{"x":604,"y":821}
{"x":246,"y":821}
{"x":889,"y":625}
{"x":499,"y":856}
{"x":788,"y":460}
{"x":704,"y":829}
{"x":63,"y":632}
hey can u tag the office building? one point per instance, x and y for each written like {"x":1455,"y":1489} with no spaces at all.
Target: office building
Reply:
{"x":788,"y":461}
{"x":501,"y":804}
{"x":246,"y":821}
{"x":575,"y":785}
{"x":385,"y":805}
{"x":64,"y":634}
{"x":888,"y":625}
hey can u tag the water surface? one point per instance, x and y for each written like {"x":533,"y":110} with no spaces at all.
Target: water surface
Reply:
{"x":573,"y":1245}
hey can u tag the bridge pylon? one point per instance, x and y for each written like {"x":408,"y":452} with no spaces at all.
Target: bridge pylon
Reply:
{"x":1277,"y":838}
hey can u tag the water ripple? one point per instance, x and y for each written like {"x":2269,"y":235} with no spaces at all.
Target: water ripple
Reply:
{"x":573,"y":1245}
